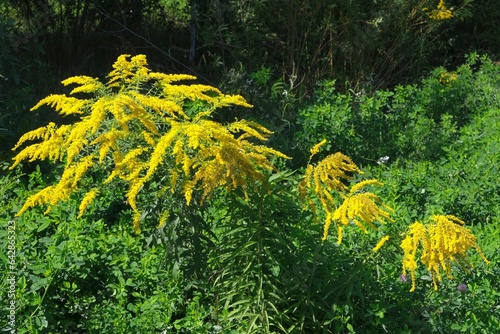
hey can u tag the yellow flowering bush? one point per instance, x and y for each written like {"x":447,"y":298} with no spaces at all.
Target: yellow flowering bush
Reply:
{"x":440,"y":13}
{"x":444,"y":242}
{"x":136,"y":122}
{"x":325,"y":179}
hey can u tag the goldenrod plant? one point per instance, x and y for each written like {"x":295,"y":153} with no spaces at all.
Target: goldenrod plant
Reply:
{"x":142,"y":127}
{"x":444,"y":241}
{"x":239,"y":246}
{"x":440,"y":13}
{"x":325,"y":183}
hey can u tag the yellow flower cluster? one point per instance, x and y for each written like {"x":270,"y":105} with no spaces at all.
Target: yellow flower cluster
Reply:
{"x":316,"y":148}
{"x":447,"y":78}
{"x":327,"y":178}
{"x":360,"y":208}
{"x":440,"y":13}
{"x":136,"y":122}
{"x":444,"y":241}
{"x":207,"y":155}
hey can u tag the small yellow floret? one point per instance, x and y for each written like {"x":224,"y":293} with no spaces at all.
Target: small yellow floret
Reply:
{"x":380,"y":244}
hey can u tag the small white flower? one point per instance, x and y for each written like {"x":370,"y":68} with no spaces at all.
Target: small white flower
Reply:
{"x":383,"y":160}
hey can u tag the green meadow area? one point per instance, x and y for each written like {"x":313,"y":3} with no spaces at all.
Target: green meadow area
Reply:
{"x":175,"y":166}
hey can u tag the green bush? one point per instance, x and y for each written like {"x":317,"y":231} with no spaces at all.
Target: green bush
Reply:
{"x":83,"y":274}
{"x":462,"y":180}
{"x":411,"y":123}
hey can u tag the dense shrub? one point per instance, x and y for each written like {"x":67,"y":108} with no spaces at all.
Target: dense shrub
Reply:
{"x":411,"y":123}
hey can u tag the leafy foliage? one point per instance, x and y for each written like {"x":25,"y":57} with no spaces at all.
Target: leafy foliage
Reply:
{"x":77,"y":274}
{"x":415,"y":123}
{"x":241,"y":252}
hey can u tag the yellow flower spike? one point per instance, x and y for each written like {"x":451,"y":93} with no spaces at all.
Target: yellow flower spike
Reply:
{"x":162,"y":107}
{"x":251,"y":129}
{"x":163,"y":219}
{"x":81,"y":168}
{"x":360,"y":185}
{"x":87,"y":84}
{"x":315,"y":149}
{"x":166,"y":79}
{"x":128,"y":73}
{"x":136,"y":222}
{"x":41,"y":133}
{"x":65,"y":105}
{"x":328,"y":222}
{"x":380,"y":244}
{"x":444,"y":241}
{"x":135,"y":186}
{"x":138,"y":112}
{"x":40,"y":198}
{"x":188,"y":192}
{"x":340,"y":232}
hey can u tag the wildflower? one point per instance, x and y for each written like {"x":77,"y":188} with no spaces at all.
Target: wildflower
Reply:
{"x":87,"y":84}
{"x":163,"y":219}
{"x":447,"y":78}
{"x":87,"y":199}
{"x":440,"y":13}
{"x":403,"y":278}
{"x":383,"y":160}
{"x":444,"y":240}
{"x":136,"y":129}
{"x":315,"y":149}
{"x":380,"y":244}
{"x":327,"y":178}
{"x":363,"y":209}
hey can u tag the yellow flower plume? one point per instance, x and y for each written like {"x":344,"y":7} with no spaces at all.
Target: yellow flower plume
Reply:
{"x":87,"y":199}
{"x":380,"y":244}
{"x":444,"y":242}
{"x":315,"y":149}
{"x":360,"y":208}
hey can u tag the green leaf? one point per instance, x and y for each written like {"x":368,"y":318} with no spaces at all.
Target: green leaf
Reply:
{"x":44,"y":224}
